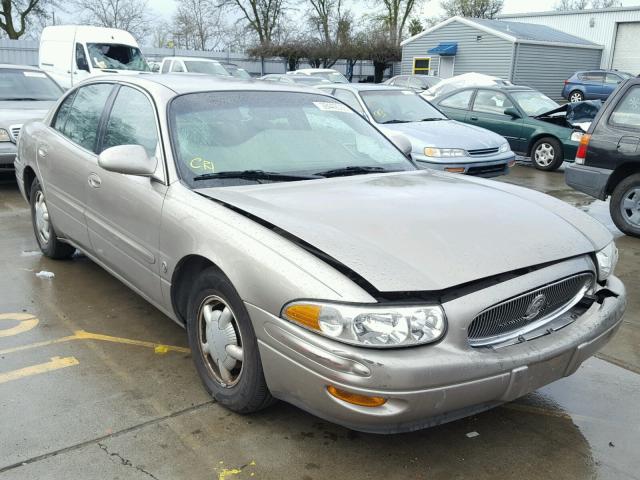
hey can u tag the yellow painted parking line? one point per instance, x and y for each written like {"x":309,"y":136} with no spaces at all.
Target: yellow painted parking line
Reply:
{"x":56,"y":363}
{"x":26,"y":323}
{"x":84,"y":335}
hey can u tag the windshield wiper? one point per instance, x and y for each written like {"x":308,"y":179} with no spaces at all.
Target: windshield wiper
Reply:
{"x":432,"y":119}
{"x":353,"y":170}
{"x":396,"y":121}
{"x":19,"y":99}
{"x":253,"y":175}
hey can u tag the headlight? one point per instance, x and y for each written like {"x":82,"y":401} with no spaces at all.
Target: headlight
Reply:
{"x":370,"y":325}
{"x":4,"y":135}
{"x":576,"y":136}
{"x":504,"y":147}
{"x":607,"y":260}
{"x":444,"y":152}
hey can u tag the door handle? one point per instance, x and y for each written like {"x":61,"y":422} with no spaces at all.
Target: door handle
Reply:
{"x":475,"y":119}
{"x":94,"y":181}
{"x":43,"y":150}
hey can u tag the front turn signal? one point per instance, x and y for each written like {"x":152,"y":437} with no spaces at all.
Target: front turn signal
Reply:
{"x":356,"y":399}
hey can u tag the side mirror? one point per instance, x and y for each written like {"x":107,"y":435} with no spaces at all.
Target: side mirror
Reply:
{"x":129,"y":160}
{"x":402,"y":142}
{"x":512,"y":112}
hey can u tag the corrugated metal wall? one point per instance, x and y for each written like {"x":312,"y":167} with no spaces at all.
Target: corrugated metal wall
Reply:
{"x":490,"y":55}
{"x":25,"y":52}
{"x":19,"y":52}
{"x":602,"y":32}
{"x":545,"y":68}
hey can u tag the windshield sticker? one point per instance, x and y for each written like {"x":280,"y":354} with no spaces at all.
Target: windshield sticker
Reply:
{"x":200,"y":165}
{"x":332,"y":107}
{"x":34,"y":74}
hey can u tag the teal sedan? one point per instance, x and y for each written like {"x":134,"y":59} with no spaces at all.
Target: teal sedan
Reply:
{"x":534,"y":125}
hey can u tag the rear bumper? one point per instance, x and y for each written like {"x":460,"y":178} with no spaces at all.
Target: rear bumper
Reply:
{"x":488,"y":167}
{"x":590,"y":180}
{"x":424,"y":386}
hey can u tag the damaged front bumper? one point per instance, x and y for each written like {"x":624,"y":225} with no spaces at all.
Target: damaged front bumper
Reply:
{"x":432,"y":384}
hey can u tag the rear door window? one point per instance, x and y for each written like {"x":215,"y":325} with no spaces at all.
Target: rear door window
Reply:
{"x":597,"y":77}
{"x":83,"y":117}
{"x":177,"y":66}
{"x":165,"y":66}
{"x":627,"y":112}
{"x":612,"y":79}
{"x":459,"y":100}
{"x":132,"y":121}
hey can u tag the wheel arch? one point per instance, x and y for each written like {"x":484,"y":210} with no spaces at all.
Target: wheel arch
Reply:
{"x":28,"y":176}
{"x":620,"y":173}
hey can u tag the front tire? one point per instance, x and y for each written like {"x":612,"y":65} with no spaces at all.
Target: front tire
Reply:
{"x":547,"y":154}
{"x":43,"y":227}
{"x":224,"y":345}
{"x":576,"y":96}
{"x":625,"y":205}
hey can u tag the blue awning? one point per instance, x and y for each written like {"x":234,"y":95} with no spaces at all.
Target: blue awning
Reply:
{"x":445,"y":49}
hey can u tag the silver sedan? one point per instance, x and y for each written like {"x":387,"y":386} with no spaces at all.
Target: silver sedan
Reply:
{"x":307,"y":256}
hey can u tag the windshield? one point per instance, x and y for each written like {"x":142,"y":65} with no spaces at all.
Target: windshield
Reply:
{"x":399,"y":106}
{"x":534,"y":103}
{"x":209,"y":68}
{"x":18,"y":84}
{"x":237,"y":72}
{"x":333,"y":77}
{"x":117,"y":57}
{"x":280,"y":132}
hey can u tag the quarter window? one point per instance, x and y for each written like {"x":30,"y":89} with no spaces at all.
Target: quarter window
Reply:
{"x":627,"y":112}
{"x":132,"y":122}
{"x":63,"y":112}
{"x":84,"y":115}
{"x":489,"y":101}
{"x":459,"y":100}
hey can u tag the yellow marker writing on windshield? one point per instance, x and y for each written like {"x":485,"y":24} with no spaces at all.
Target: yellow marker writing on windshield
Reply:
{"x":198,"y":163}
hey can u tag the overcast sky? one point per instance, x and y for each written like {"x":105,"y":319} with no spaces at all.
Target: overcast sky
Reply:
{"x":432,"y":8}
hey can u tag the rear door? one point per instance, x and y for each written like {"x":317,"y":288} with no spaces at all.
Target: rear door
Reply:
{"x":65,"y":155}
{"x":611,"y":82}
{"x":593,"y":85}
{"x":123,"y":211}
{"x":488,"y":112}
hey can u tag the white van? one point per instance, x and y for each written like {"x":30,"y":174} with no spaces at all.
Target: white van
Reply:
{"x":71,"y":53}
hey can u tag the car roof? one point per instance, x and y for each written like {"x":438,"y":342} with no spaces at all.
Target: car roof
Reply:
{"x":196,"y":59}
{"x":190,"y":83}
{"x":361,"y":87}
{"x":319,"y":70}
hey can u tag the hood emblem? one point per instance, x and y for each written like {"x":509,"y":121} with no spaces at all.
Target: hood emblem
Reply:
{"x":535,"y":307}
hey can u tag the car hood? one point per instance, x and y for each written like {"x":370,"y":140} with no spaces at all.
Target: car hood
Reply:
{"x":577,"y":112}
{"x":421,"y":230}
{"x":445,"y":134}
{"x":21,"y":112}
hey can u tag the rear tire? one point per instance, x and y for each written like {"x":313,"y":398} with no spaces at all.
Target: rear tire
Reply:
{"x":43,"y":227}
{"x":625,"y":205}
{"x":547,"y":154}
{"x":224,"y":345}
{"x":576,"y":96}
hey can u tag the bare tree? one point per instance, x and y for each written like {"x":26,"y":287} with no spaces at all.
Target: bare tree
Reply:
{"x":17,"y":14}
{"x":472,"y":8}
{"x":262,"y":16}
{"x":585,"y":4}
{"x":161,"y":35}
{"x":130,"y":15}
{"x":198,"y":23}
{"x":394,"y":16}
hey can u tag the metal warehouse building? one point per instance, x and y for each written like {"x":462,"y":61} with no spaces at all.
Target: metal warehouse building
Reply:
{"x":617,"y":29}
{"x":524,"y":53}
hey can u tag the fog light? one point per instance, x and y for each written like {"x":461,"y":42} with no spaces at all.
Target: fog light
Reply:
{"x":454,"y":169}
{"x":355,"y":399}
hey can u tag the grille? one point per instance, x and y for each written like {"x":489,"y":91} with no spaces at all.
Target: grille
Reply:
{"x":15,"y":131}
{"x":483,"y":151}
{"x":486,"y":169}
{"x":528,"y":311}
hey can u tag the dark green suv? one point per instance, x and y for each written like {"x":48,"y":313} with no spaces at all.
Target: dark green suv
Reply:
{"x":534,"y":125}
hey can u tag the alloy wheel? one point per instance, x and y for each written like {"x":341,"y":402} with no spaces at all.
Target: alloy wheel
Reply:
{"x":220,"y":341}
{"x":630,"y":206}
{"x":43,"y":225}
{"x":544,"y":154}
{"x":575,"y":97}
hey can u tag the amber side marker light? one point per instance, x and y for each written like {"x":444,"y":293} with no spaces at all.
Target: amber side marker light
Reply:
{"x":307,"y":315}
{"x":355,"y":399}
{"x":455,"y":169}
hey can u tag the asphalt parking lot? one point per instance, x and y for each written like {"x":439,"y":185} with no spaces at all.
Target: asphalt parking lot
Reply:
{"x":96,"y":383}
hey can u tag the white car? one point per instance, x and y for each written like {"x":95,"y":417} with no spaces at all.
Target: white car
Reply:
{"x":330,"y":74}
{"x":193,"y":65}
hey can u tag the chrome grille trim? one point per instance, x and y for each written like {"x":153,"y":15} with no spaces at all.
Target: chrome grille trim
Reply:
{"x":14,"y":130}
{"x":507,"y":320}
{"x":483,"y":151}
